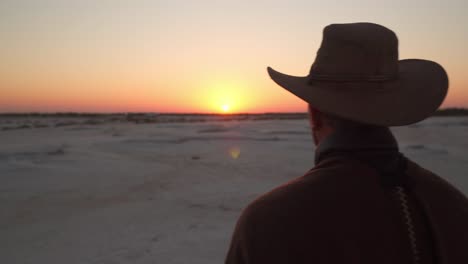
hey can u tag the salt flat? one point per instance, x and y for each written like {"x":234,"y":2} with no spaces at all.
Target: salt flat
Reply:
{"x":164,"y":193}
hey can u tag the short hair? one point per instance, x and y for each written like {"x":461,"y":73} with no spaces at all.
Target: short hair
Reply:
{"x":337,"y":122}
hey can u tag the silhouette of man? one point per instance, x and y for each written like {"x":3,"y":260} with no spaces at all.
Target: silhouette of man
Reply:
{"x":363,"y":202}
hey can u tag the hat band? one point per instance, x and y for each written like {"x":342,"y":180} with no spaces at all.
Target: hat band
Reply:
{"x":351,"y":78}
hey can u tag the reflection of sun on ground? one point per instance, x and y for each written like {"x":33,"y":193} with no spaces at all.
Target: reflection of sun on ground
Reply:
{"x":234,"y":152}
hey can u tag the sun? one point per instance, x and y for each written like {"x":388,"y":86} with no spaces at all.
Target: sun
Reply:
{"x":225,"y":108}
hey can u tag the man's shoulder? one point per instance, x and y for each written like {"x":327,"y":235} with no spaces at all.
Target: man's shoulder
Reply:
{"x":283,"y":216}
{"x":429,"y":184}
{"x":319,"y":187}
{"x":447,"y":210}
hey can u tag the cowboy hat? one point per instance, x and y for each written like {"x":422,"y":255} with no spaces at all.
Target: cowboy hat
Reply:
{"x":356,"y":75}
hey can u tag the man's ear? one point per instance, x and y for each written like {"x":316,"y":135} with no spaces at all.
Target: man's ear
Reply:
{"x":316,"y":119}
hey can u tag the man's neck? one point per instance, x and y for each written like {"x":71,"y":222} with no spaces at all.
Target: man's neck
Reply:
{"x":358,"y":140}
{"x":376,"y":148}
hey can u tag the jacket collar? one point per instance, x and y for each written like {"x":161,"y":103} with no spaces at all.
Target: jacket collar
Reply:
{"x":357,"y":141}
{"x":376,"y":147}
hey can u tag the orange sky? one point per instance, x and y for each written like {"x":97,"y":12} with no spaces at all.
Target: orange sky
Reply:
{"x":197,"y":56}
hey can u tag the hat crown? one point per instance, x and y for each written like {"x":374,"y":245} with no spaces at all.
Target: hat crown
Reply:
{"x":356,"y":52}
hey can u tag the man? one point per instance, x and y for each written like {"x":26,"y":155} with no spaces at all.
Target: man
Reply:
{"x":363,"y":202}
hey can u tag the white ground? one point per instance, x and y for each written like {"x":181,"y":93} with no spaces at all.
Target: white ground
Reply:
{"x":164,"y":193}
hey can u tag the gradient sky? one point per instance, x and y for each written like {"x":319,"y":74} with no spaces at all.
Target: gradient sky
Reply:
{"x":196,"y":56}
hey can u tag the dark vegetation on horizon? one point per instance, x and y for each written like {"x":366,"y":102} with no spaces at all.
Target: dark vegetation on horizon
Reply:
{"x":14,"y":121}
{"x":451,"y":112}
{"x":440,"y":112}
{"x":150,"y":115}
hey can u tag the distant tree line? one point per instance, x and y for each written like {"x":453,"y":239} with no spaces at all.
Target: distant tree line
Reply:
{"x":440,"y":112}
{"x":451,"y":112}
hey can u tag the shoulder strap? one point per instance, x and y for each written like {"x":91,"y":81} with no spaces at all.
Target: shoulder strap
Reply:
{"x":394,"y":178}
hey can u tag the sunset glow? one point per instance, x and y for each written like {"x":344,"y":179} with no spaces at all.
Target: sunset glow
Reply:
{"x":225,"y":108}
{"x":197,"y":56}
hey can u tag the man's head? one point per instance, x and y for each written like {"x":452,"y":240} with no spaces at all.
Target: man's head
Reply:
{"x":323,"y":124}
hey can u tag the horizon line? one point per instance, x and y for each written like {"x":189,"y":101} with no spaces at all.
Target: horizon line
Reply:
{"x":461,"y":109}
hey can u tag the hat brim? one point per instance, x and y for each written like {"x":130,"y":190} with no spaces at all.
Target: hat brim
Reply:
{"x":418,"y":91}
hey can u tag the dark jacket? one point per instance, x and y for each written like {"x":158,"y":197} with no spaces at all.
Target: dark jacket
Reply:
{"x":362,"y":203}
